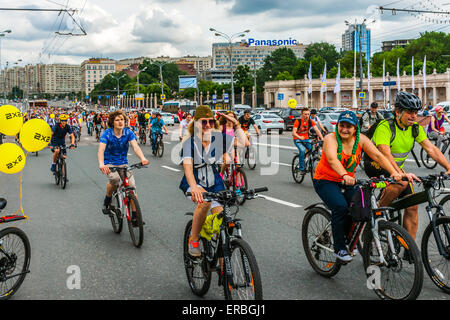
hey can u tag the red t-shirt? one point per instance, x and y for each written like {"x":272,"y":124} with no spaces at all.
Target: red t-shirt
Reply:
{"x":302,"y":128}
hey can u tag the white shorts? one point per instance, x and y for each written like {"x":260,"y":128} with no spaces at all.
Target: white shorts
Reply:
{"x":214,"y":203}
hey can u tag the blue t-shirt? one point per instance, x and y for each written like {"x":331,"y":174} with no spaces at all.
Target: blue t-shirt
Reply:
{"x":157,"y":125}
{"x":205,"y":171}
{"x":116,"y":148}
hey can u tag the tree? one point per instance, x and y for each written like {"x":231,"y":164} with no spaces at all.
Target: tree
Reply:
{"x":243,"y":78}
{"x":282,"y":59}
{"x":285,"y":75}
{"x":301,"y":69}
{"x":325,"y":50}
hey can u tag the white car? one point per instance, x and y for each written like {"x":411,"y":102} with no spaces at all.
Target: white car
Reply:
{"x":329,"y":120}
{"x":268,"y":123}
{"x":168,"y":118}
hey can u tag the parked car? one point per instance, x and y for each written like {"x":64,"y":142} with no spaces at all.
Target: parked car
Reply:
{"x":329,"y":120}
{"x":258,"y":110}
{"x":289,"y":115}
{"x":445,"y":105}
{"x":268,"y":122}
{"x":168,"y":118}
{"x":387,"y":114}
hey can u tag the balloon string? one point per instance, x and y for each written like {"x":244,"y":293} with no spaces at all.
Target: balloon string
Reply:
{"x":21,"y":188}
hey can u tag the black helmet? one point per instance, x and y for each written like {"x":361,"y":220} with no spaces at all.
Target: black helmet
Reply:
{"x":408,"y":101}
{"x":313,"y":111}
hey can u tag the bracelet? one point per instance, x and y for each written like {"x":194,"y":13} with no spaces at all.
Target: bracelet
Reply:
{"x":346,"y":174}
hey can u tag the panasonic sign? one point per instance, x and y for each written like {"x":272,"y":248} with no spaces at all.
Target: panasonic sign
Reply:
{"x":290,"y":42}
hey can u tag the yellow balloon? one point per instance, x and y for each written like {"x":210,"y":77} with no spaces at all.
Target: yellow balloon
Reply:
{"x":35,"y":135}
{"x":52,"y":116}
{"x":292,"y":103}
{"x":147,"y":116}
{"x":12,"y":158}
{"x":81,"y":120}
{"x":11,"y":120}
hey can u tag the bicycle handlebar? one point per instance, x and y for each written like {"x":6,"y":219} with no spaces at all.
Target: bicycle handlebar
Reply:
{"x":228,"y":195}
{"x":129,"y":168}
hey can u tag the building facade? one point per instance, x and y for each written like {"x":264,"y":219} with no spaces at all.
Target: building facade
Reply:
{"x":357,"y":37}
{"x":93,"y":71}
{"x":389,"y":45}
{"x":61,"y":79}
{"x":278,"y":93}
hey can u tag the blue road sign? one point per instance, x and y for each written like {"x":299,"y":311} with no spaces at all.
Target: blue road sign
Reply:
{"x":281,"y":96}
{"x":389,"y":83}
{"x":214,"y":97}
{"x":225,"y":98}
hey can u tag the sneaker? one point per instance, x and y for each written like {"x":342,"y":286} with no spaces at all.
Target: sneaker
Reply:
{"x":355,"y":252}
{"x":106,"y":209}
{"x":52,"y":169}
{"x":344,"y":256}
{"x":407,"y":256}
{"x":194,"y":248}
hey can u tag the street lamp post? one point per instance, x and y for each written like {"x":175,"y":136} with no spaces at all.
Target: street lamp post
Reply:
{"x":139,"y":71}
{"x":160,"y":64}
{"x":230,"y":40}
{"x":118,"y":90}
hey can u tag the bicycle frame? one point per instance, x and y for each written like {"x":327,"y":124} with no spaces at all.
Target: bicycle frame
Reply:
{"x":122,"y":192}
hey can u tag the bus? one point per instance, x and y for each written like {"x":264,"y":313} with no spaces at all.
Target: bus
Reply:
{"x":38,"y":103}
{"x":185,"y":105}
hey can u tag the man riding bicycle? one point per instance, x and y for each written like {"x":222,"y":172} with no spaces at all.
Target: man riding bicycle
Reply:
{"x":59,"y":132}
{"x":370,"y":117}
{"x":395,"y":139}
{"x":156,"y":126}
{"x":246,"y":121}
{"x":436,"y":130}
{"x":113,"y":151}
{"x":316,"y":119}
{"x":300,"y":133}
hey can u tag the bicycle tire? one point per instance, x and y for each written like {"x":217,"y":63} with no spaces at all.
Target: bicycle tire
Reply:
{"x":312,"y":166}
{"x":63,"y":174}
{"x":57,"y":172}
{"x":436,"y":275}
{"x":200,"y":266}
{"x":116,"y":216}
{"x":160,"y":149}
{"x":296,"y":173}
{"x":396,"y":263}
{"x":139,"y":239}
{"x":248,"y":278}
{"x":8,"y":270}
{"x":327,"y":266}
{"x":427,"y":161}
{"x":250,"y":154}
{"x":240,"y":200}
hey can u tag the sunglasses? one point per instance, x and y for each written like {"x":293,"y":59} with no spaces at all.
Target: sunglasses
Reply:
{"x":211,"y":122}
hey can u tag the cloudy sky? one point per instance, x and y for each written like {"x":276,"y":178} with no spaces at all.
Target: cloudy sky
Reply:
{"x":134,"y":28}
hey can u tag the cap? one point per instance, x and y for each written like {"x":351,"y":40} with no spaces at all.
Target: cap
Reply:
{"x":203,"y":112}
{"x":348,"y":116}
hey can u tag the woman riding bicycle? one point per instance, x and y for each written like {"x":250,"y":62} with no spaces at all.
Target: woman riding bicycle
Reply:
{"x":205,"y":146}
{"x":334,"y":177}
{"x":436,"y":130}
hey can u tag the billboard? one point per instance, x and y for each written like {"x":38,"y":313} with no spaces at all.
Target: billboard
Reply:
{"x":187,"y":82}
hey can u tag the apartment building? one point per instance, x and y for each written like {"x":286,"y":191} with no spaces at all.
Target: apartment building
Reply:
{"x":93,"y":71}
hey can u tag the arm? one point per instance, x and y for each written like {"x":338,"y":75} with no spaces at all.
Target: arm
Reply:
{"x":138,"y":151}
{"x":319,"y":134}
{"x":436,"y":154}
{"x":241,"y":138}
{"x":330,"y":147}
{"x":196,"y":191}
{"x":379,"y":157}
{"x":101,"y":158}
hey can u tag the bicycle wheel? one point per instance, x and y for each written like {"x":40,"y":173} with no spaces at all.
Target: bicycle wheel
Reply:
{"x":63,"y":171}
{"x":57,"y":172}
{"x":436,"y":265}
{"x":246,"y":277}
{"x":427,"y":161}
{"x":116,"y":215}
{"x":361,"y":163}
{"x":250,"y":156}
{"x":312,"y":167}
{"x":197,"y":270}
{"x":160,"y":149}
{"x":15,"y":253}
{"x":317,"y":242}
{"x":401,"y":276}
{"x":136,"y":232}
{"x":296,"y":173}
{"x":240,"y":184}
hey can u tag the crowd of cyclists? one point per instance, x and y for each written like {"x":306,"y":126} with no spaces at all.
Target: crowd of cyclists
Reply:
{"x":209,"y":141}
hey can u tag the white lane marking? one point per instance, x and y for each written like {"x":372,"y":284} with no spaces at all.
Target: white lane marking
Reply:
{"x":282,"y":164}
{"x":293,"y":205}
{"x":166,"y":142}
{"x":275,"y":146}
{"x":169,"y":168}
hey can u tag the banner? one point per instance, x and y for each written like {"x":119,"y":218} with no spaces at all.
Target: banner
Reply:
{"x":310,"y":79}
{"x":368,"y":77}
{"x":398,"y":74}
{"x":323,"y":87}
{"x":412,"y":73}
{"x":337,"y":86}
{"x":425,"y":72}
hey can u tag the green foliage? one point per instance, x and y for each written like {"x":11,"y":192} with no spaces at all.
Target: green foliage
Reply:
{"x":285,"y":75}
{"x":243,"y":77}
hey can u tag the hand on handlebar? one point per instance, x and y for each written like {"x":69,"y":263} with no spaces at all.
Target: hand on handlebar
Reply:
{"x":411,"y":177}
{"x":348,"y":180}
{"x":197,"y":194}
{"x":105,"y":169}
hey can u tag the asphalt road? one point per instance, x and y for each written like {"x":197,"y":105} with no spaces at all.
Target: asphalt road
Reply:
{"x":66,"y":228}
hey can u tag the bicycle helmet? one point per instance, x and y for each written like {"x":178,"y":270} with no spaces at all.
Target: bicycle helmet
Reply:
{"x":313,"y":111}
{"x":63,"y":117}
{"x":408,"y":101}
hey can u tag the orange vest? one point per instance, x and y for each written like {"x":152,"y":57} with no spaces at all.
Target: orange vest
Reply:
{"x":325,"y":172}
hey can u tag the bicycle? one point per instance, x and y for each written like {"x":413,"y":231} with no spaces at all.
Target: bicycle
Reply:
{"x":90,"y":128}
{"x":60,"y":168}
{"x":429,"y":162}
{"x":250,"y":154}
{"x":98,"y":131}
{"x":124,"y":198}
{"x":386,"y":246}
{"x":77,"y":133}
{"x":235,"y":179}
{"x":142,"y":135}
{"x":159,"y":145}
{"x":435,"y":245}
{"x":15,"y":255}
{"x":311,"y":156}
{"x":225,"y":253}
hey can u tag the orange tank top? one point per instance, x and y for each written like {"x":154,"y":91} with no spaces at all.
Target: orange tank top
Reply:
{"x":325,"y":172}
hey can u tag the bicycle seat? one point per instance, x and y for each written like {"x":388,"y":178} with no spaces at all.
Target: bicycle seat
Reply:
{"x":3,"y":203}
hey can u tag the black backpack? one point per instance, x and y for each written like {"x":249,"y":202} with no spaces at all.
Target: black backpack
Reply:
{"x":361,"y":205}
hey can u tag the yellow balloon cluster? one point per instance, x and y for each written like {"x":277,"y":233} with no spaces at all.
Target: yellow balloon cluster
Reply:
{"x":147,"y":116}
{"x":34,"y":136}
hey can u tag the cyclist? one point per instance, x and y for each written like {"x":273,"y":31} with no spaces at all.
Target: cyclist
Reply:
{"x":246,"y":121}
{"x":98,"y":124}
{"x":90,"y":122}
{"x":395,"y":139}
{"x":205,"y":147}
{"x":74,"y":123}
{"x":184,"y":125}
{"x":370,"y":117}
{"x":133,"y":122}
{"x":301,"y":135}
{"x":113,"y":151}
{"x":334,"y":177}
{"x":436,"y":129}
{"x":156,"y":126}
{"x":59,"y":132}
{"x":316,"y":119}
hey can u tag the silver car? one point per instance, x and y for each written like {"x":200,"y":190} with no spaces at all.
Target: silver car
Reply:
{"x":328,"y":120}
{"x":168,"y":118}
{"x":269,"y":122}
